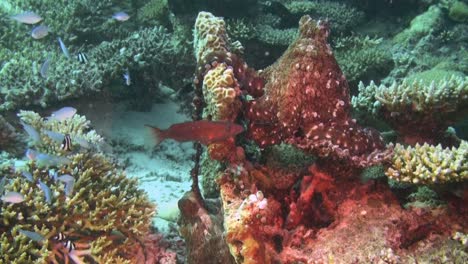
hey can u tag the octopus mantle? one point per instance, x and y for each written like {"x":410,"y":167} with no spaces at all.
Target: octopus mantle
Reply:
{"x":306,"y":102}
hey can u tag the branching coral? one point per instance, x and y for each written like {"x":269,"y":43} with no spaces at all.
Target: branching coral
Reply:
{"x":361,"y":57}
{"x":153,"y":49}
{"x":426,"y":164}
{"x":77,"y":127}
{"x":411,"y":106}
{"x":274,"y":36}
{"x":102,"y":212}
{"x":240,"y":29}
{"x":343,"y":17}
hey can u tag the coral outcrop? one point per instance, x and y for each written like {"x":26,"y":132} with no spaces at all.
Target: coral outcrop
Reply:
{"x":316,"y":209}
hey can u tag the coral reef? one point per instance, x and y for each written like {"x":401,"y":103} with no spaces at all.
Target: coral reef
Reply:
{"x":81,"y":197}
{"x":409,"y":105}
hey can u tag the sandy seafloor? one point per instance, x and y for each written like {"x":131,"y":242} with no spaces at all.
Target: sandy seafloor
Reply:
{"x":164,"y":170}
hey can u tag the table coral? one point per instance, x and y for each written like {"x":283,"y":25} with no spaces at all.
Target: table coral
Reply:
{"x":420,"y":112}
{"x":104,"y":214}
{"x":343,"y":17}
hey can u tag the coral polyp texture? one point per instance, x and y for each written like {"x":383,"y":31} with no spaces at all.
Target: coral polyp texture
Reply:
{"x":72,"y":206}
{"x":427,"y":164}
{"x":221,"y":91}
{"x":420,"y":112}
{"x":306,"y":103}
{"x":210,"y":37}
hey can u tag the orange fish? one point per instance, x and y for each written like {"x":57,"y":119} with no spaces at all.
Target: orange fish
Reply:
{"x":203,"y":131}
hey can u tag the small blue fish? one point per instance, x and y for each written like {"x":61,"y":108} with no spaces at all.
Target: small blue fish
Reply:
{"x":28,"y":17}
{"x":127,"y":78}
{"x":28,"y":176}
{"x":32,"y":235}
{"x":63,"y":113}
{"x":2,"y":184}
{"x":53,"y":174}
{"x":47,"y":192}
{"x":45,"y":68}
{"x":66,"y":178}
{"x":120,"y":16}
{"x":13,"y":197}
{"x":46,"y":160}
{"x":31,"y":154}
{"x":63,"y":47}
{"x":32,"y":132}
{"x":82,"y":142}
{"x":40,"y":32}
{"x":55,"y":136}
{"x":69,"y":187}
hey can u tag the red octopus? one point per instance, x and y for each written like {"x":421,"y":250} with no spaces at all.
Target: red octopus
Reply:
{"x":306,"y":102}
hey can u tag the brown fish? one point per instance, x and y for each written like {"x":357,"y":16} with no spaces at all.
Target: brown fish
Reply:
{"x":203,"y":131}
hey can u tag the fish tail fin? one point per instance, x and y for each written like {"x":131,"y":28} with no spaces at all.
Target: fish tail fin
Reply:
{"x":157,"y":134}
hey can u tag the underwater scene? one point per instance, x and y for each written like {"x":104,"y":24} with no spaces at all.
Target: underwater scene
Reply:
{"x":233,"y":131}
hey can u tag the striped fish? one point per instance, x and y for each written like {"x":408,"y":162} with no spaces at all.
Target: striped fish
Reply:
{"x":66,"y":143}
{"x":60,"y":237}
{"x":69,"y":245}
{"x":82,"y":57}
